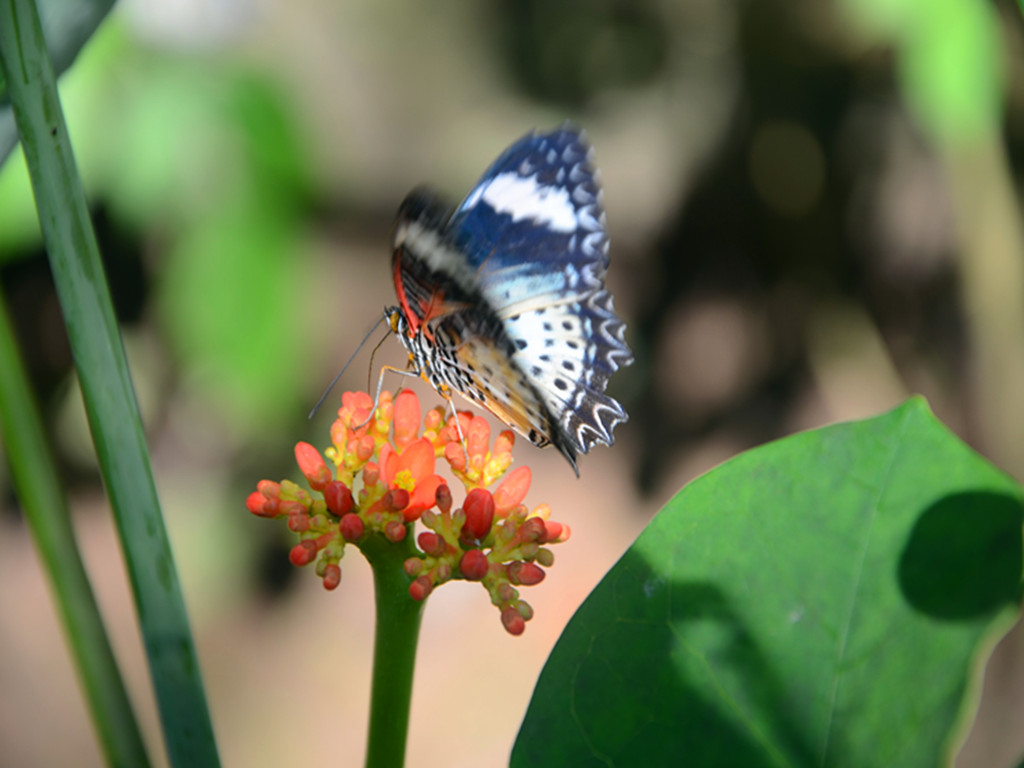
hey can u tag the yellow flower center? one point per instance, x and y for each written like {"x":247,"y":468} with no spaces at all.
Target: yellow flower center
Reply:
{"x":405,"y":480}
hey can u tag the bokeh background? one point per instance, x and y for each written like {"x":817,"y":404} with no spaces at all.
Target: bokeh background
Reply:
{"x":814,"y":208}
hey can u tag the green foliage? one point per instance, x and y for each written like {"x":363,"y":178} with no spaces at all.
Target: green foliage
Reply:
{"x":816,"y":601}
{"x":949,"y":61}
{"x":206,"y":155}
{"x":107,"y":390}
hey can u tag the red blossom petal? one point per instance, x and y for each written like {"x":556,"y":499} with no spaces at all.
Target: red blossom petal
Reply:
{"x":424,"y":497}
{"x":388,"y":462}
{"x":512,"y":490}
{"x":418,"y":458}
{"x":407,"y":418}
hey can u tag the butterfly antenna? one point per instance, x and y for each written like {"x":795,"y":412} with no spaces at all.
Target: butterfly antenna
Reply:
{"x":380,"y":381}
{"x":344,"y":368}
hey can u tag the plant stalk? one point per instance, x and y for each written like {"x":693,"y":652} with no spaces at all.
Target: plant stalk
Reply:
{"x":394,"y":651}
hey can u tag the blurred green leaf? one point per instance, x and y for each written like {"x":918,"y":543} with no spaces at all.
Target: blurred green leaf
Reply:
{"x":816,"y":601}
{"x":231,"y":301}
{"x":949,"y":61}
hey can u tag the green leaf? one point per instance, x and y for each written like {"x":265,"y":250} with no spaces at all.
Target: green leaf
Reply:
{"x":46,"y":512}
{"x":950,"y":61}
{"x":816,"y":601}
{"x":106,"y":385}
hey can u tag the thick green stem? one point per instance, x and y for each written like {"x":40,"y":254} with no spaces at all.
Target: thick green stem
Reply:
{"x":394,"y":653}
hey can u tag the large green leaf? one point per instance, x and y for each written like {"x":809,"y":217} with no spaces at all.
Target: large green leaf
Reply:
{"x":817,"y":601}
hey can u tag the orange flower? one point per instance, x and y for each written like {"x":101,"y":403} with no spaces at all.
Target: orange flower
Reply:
{"x":377,"y":479}
{"x":412,"y":470}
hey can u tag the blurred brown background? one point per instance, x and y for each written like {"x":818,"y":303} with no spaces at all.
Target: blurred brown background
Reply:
{"x":814,"y":212}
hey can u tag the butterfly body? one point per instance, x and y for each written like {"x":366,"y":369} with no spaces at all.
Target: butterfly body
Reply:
{"x":502,"y":298}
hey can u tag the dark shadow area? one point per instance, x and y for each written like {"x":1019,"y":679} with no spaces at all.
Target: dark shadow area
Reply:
{"x":963,"y":558}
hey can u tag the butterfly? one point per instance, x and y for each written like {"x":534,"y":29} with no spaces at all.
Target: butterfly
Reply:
{"x":502,"y":298}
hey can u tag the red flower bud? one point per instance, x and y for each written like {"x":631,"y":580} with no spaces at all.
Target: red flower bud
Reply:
{"x":514,"y":623}
{"x":332,"y":576}
{"x":479,"y":509}
{"x":413,"y":566}
{"x":556,"y":533}
{"x":431,"y":543}
{"x":338,"y":498}
{"x":526,"y":574}
{"x":456,"y":456}
{"x":298,"y":523}
{"x":394,"y":531}
{"x":352,"y":527}
{"x":532,"y":529}
{"x":474,"y":565}
{"x":303,"y":553}
{"x":406,"y":418}
{"x":504,"y":442}
{"x":365,"y":448}
{"x":288,"y":507}
{"x":443,"y":497}
{"x":260,"y":505}
{"x":397,"y":499}
{"x":312,"y":465}
{"x":513,"y":489}
{"x":420,"y":588}
{"x":269,"y":488}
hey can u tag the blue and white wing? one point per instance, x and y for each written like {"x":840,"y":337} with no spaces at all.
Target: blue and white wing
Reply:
{"x":532,"y":233}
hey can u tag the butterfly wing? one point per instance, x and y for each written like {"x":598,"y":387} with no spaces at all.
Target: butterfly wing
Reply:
{"x":533,"y":229}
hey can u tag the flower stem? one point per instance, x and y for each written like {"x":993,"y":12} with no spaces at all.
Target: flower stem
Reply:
{"x":394,"y":652}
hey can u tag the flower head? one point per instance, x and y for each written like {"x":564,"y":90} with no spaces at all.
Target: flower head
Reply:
{"x":378,"y":478}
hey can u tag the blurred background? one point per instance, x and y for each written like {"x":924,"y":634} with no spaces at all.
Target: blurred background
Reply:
{"x":814,"y":213}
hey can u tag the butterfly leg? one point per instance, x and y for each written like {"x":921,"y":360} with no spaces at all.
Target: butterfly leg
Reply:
{"x":380,"y":386}
{"x":446,"y":394}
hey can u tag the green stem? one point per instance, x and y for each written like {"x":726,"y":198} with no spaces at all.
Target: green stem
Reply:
{"x":394,"y":652}
{"x":39,"y":491}
{"x":106,"y":385}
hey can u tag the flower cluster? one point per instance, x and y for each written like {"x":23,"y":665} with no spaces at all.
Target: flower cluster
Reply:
{"x":378,"y":480}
